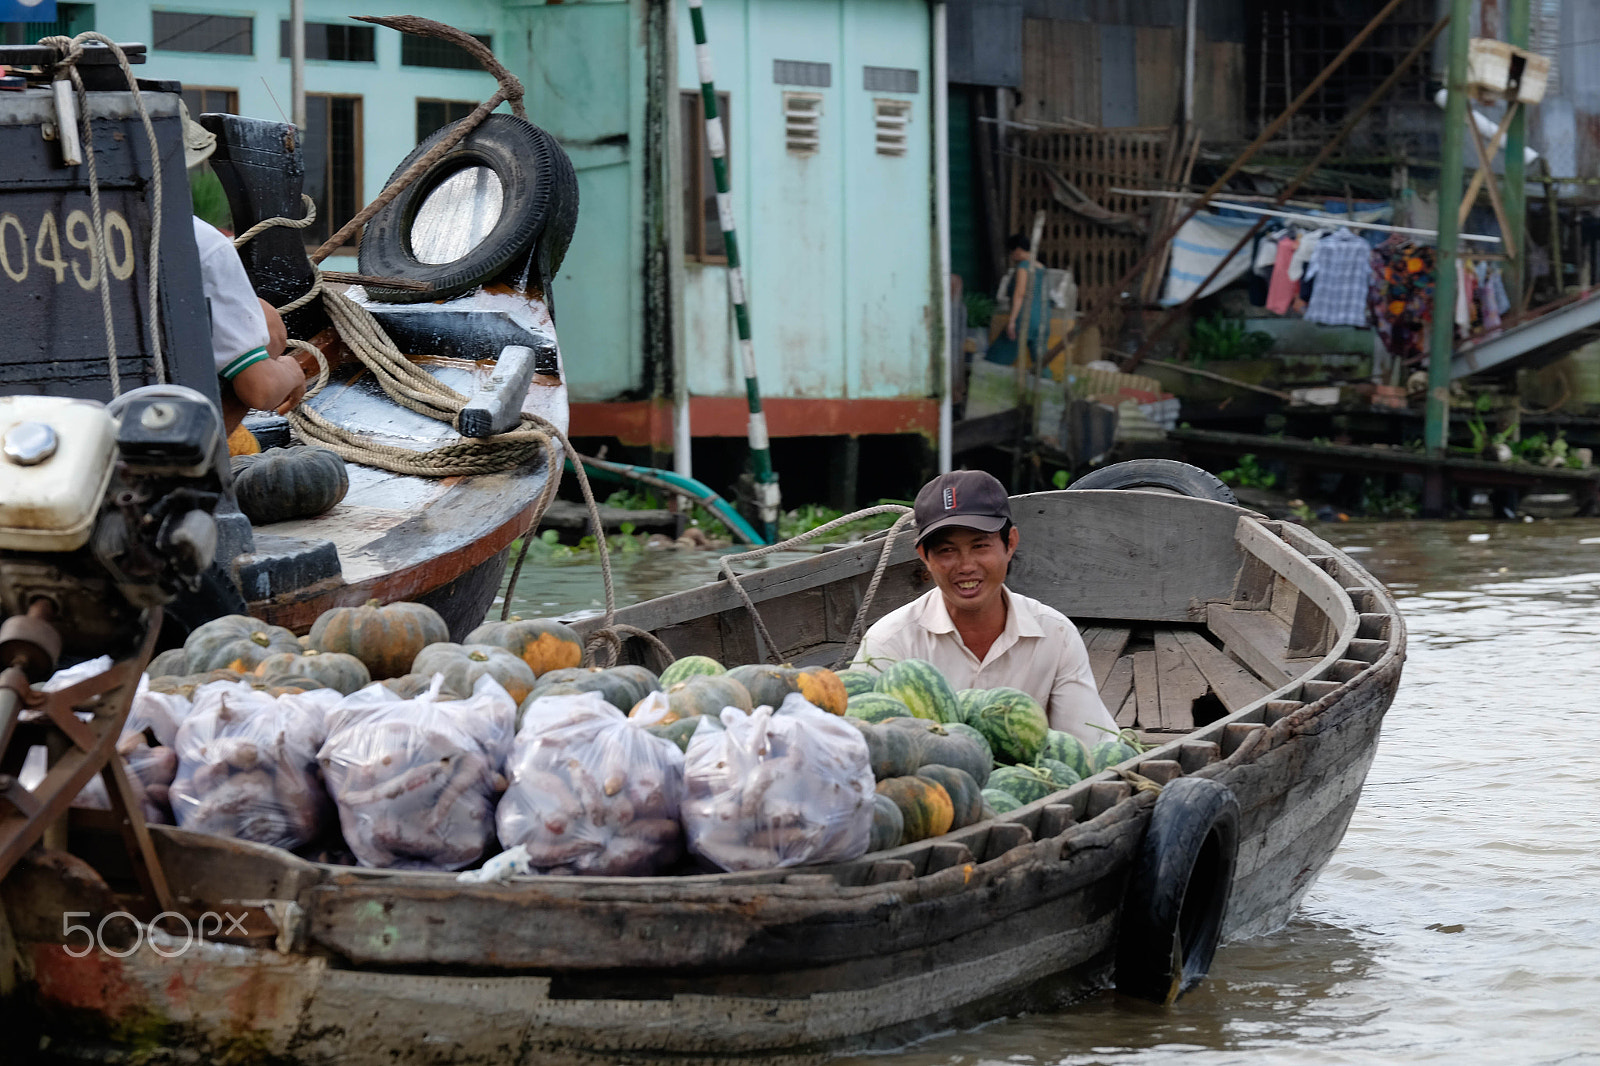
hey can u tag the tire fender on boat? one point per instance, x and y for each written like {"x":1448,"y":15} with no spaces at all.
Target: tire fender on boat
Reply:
{"x":539,"y":206}
{"x":1167,"y":475}
{"x":1178,"y":893}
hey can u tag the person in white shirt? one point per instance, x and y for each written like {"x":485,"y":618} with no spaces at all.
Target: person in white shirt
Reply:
{"x":974,"y":630}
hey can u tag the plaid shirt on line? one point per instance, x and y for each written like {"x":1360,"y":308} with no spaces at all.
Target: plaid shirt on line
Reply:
{"x":1342,"y":269}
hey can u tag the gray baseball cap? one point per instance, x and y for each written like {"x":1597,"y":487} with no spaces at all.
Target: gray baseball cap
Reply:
{"x":971,"y":499}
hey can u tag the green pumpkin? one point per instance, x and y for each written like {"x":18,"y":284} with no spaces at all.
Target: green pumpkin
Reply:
{"x":171,"y":663}
{"x":463,"y":664}
{"x":924,"y":805}
{"x":620,"y":686}
{"x":543,"y":643}
{"x":410,"y":686}
{"x":892,"y":752}
{"x":235,"y":642}
{"x":947,"y":745}
{"x":702,"y":694}
{"x":888,"y":824}
{"x":282,"y":484}
{"x":690,"y":666}
{"x":683,"y":730}
{"x":966,"y":798}
{"x":331,"y":669}
{"x":386,"y":638}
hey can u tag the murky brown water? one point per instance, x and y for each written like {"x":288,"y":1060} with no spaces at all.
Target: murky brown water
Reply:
{"x":1460,"y":920}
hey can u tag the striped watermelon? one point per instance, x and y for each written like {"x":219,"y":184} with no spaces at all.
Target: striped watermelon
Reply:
{"x":1064,"y":747}
{"x":691,"y":666}
{"x":876,"y":707}
{"x":1063,"y":775}
{"x":922,"y":688}
{"x":968,"y":700}
{"x":858,"y":681}
{"x":1000,"y":802}
{"x":1110,"y":753}
{"x":1013,"y":723}
{"x":1023,"y":782}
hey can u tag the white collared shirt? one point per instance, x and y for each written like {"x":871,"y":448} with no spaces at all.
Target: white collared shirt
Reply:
{"x":1039,"y":651}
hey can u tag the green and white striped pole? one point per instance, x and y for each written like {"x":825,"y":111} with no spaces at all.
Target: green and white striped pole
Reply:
{"x":768,"y":498}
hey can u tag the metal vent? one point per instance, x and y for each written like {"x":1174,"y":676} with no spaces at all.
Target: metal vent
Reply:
{"x":802,"y":122}
{"x":890,"y":119}
{"x":889,"y":80}
{"x":799,"y":72}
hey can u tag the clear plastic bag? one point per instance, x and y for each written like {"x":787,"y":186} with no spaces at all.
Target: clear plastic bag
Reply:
{"x":778,"y":788}
{"x":247,"y":766}
{"x":415,"y":780}
{"x":158,"y":712}
{"x":591,"y":791}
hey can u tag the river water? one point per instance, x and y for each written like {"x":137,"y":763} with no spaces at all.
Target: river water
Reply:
{"x":1459,"y":922}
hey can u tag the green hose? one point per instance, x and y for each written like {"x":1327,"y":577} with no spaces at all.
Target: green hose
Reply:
{"x":669,"y":481}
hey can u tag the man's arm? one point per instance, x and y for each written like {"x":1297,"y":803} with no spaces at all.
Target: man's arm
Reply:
{"x":1075,"y":705}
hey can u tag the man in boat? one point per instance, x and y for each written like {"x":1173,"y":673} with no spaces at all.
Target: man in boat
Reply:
{"x":247,"y":334}
{"x":974,"y":630}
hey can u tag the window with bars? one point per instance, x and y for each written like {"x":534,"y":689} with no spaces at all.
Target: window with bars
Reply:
{"x":332,"y":152}
{"x":702,"y":227}
{"x":185,"y":31}
{"x":1289,"y":41}
{"x":889,"y":79}
{"x":889,"y":120}
{"x":802,"y":122}
{"x":209,"y":99}
{"x":432,"y":52}
{"x":437,"y":114}
{"x":332,"y":40}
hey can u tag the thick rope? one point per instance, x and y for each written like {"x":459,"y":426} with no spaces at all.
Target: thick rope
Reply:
{"x":763,"y":634}
{"x":72,"y":50}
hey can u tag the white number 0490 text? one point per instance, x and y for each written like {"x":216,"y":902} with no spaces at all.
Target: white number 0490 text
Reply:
{"x":22,"y":252}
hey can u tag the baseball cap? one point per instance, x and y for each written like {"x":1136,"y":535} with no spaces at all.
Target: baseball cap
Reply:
{"x":970,"y":499}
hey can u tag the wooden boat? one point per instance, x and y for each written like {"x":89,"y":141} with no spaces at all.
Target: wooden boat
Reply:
{"x":441,"y":541}
{"x":1257,"y":659}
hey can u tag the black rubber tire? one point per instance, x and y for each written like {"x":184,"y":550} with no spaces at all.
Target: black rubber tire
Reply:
{"x":539,"y":190}
{"x":1168,"y":474}
{"x":1178,"y":892}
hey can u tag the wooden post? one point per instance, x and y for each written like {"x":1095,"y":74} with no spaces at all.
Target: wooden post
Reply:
{"x":1516,"y":167}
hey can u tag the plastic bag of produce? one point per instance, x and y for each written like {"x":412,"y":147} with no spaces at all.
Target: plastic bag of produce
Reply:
{"x":415,"y":780}
{"x":158,"y":712}
{"x":150,"y":771}
{"x":592,"y":792}
{"x":247,"y":766}
{"x":778,"y":788}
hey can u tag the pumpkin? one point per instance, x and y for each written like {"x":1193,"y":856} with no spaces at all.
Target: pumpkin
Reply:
{"x":966,"y":798}
{"x":282,"y":484}
{"x":924,"y":805}
{"x":185,"y":686}
{"x":410,"y":686}
{"x":768,"y":685}
{"x":242,"y":442}
{"x":683,"y":729}
{"x":948,"y":745}
{"x":707,"y":694}
{"x":620,"y":686}
{"x":463,"y":664}
{"x":641,"y":681}
{"x":235,"y":642}
{"x":892,"y":752}
{"x":386,"y":639}
{"x":543,"y":643}
{"x":888,"y":824}
{"x":332,"y":669}
{"x":171,"y":663}
{"x":690,"y":666}
{"x":289,"y":686}
{"x":822,"y":689}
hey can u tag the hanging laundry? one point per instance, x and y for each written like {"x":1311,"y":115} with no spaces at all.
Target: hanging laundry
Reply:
{"x":1341,"y":267}
{"x":1488,"y":308}
{"x":1402,"y":296}
{"x":1463,"y":301}
{"x":1266,"y":256}
{"x":1281,"y":293}
{"x":1497,"y":289}
{"x":1303,"y":253}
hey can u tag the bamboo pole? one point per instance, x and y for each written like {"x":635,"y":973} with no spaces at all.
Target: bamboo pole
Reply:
{"x":768,"y":497}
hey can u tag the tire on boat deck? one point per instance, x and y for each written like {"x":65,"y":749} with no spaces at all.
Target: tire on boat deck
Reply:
{"x":1165,"y":474}
{"x":1178,"y":893}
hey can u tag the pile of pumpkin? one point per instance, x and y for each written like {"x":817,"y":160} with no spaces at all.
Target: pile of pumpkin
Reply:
{"x":941,"y":759}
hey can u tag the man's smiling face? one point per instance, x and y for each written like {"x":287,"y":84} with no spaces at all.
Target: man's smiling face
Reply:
{"x":969,"y":566}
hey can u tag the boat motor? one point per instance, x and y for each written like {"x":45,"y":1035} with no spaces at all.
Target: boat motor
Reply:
{"x":105,"y":511}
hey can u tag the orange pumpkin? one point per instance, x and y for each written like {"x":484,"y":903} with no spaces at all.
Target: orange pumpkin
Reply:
{"x":924,"y":805}
{"x":385,"y":638}
{"x":543,"y":643}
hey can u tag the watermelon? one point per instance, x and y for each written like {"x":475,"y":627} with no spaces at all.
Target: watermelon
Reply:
{"x":1064,"y":747}
{"x":1013,"y":723}
{"x":876,"y":707}
{"x":691,"y":666}
{"x":1000,"y":802}
{"x":1110,"y":753}
{"x":968,"y":700}
{"x":858,"y":681}
{"x":1063,"y":775}
{"x":1023,"y":782}
{"x":922,"y":688}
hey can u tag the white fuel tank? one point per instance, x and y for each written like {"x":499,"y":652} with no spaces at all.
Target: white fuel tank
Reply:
{"x":56,"y":458}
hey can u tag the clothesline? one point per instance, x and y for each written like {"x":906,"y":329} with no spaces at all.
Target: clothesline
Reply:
{"x":1316,"y":220}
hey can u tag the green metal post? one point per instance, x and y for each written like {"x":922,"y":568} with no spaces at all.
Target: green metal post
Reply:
{"x":1516,"y":192}
{"x":1437,"y":428}
{"x":766,"y":480}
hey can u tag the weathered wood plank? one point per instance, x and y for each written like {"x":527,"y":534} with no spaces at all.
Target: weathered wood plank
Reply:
{"x":1260,"y":640}
{"x":1117,"y":684}
{"x":1235,"y":686}
{"x":1105,"y":645}
{"x":1146,"y":687}
{"x":1179,"y":681}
